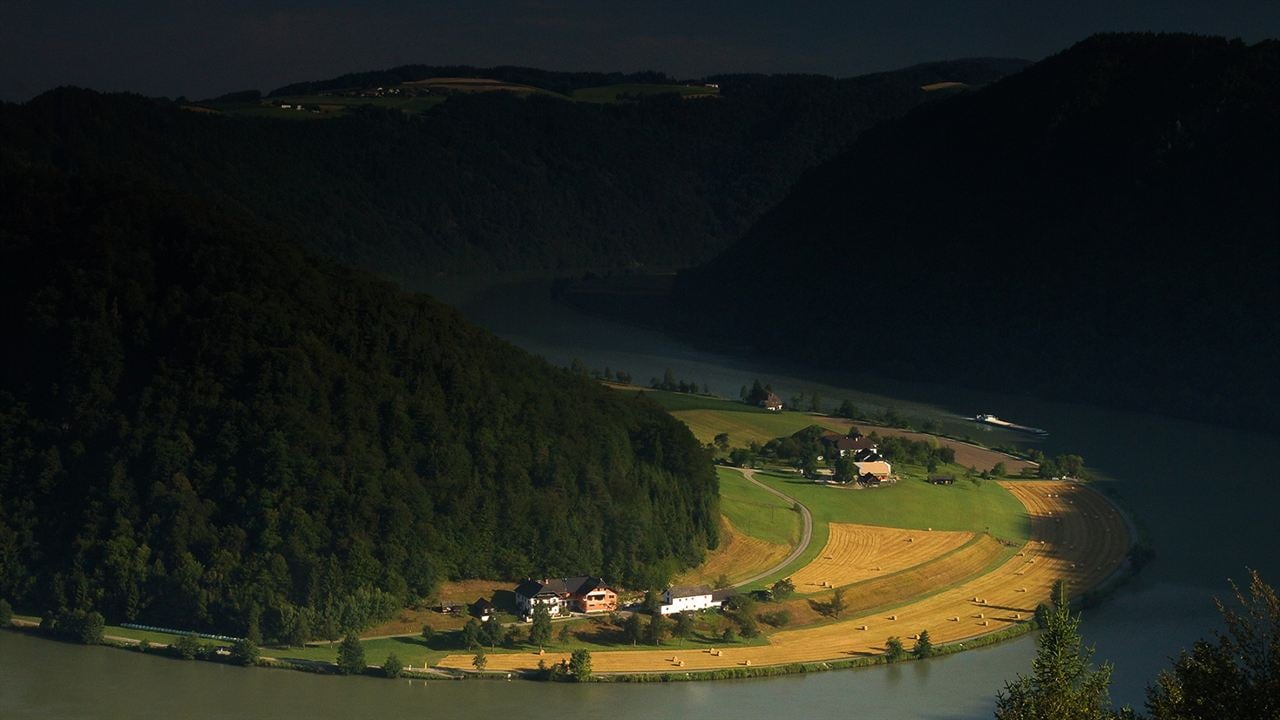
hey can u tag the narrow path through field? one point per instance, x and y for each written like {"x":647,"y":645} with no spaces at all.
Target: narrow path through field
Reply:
{"x":806,"y":532}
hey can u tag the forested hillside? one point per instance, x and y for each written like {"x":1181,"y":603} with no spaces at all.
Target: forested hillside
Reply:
{"x":1102,"y":226}
{"x":203,"y":426}
{"x":490,"y":181}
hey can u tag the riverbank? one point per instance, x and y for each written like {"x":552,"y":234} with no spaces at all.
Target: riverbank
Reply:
{"x":1077,"y":535}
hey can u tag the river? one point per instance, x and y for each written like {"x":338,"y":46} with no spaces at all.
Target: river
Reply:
{"x":1205,"y":496}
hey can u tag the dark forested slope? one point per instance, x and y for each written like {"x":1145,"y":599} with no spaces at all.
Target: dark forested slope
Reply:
{"x":491,"y":181}
{"x":1103,"y":225}
{"x":203,"y":426}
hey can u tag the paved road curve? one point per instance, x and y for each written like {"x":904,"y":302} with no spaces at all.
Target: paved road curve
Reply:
{"x":805,"y":535}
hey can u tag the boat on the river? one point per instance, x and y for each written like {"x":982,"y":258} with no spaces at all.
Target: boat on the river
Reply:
{"x":993,"y":420}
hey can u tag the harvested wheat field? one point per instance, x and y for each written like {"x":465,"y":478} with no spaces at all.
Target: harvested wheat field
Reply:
{"x":1077,"y":535}
{"x":739,"y":556}
{"x":965,"y":563}
{"x":854,"y":553}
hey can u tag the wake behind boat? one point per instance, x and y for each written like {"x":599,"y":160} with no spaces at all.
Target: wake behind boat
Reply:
{"x":993,"y":420}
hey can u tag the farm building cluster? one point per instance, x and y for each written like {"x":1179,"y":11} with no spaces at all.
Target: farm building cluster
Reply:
{"x":589,"y":594}
{"x":562,"y":596}
{"x":869,"y":466}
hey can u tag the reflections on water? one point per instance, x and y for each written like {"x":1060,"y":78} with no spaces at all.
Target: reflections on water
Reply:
{"x":45,"y":679}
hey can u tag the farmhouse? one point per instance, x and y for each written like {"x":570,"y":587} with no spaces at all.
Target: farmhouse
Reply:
{"x":562,"y":596}
{"x":873,"y":473}
{"x":678,"y":599}
{"x":855,"y":445}
{"x":867,"y":455}
{"x":772,"y":403}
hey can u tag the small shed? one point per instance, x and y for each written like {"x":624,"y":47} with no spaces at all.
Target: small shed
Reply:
{"x":482,"y":609}
{"x":942,"y":479}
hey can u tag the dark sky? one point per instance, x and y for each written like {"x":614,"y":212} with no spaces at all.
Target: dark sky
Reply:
{"x":200,"y":49}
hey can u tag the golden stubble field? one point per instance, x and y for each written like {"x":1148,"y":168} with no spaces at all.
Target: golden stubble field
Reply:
{"x":854,"y":553}
{"x":738,"y":556}
{"x":1076,"y":535}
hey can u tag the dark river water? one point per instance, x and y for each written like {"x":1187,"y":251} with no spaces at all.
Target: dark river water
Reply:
{"x":1205,"y":497}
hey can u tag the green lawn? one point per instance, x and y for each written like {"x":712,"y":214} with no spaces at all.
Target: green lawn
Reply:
{"x":755,"y":512}
{"x":610,"y":93}
{"x":913,"y":503}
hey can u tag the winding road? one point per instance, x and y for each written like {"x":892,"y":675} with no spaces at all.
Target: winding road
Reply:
{"x":806,"y":534}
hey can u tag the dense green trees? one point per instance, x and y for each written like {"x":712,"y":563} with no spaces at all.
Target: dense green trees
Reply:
{"x":392,"y":667}
{"x":632,"y":630}
{"x":245,"y":652}
{"x":188,"y":647}
{"x":351,"y":656}
{"x":580,"y":665}
{"x":894,"y":650}
{"x":924,"y":646}
{"x":79,"y":626}
{"x":1235,"y":673}
{"x":207,"y":427}
{"x":656,"y":631}
{"x":540,"y":630}
{"x":1062,"y":683}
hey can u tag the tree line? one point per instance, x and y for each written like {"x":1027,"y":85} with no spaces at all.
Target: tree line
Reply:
{"x":203,"y":426}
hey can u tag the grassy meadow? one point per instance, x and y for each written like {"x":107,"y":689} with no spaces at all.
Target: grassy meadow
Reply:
{"x":755,"y":512}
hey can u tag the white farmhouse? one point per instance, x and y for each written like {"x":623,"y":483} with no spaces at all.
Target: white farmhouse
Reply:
{"x":678,"y":599}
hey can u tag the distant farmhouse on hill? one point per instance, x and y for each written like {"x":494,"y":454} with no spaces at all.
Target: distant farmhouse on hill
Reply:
{"x":771,"y":402}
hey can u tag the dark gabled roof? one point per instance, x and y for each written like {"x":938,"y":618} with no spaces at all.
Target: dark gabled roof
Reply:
{"x":584,"y":585}
{"x":867,"y":454}
{"x":677,"y":591}
{"x":858,"y":443}
{"x":579,"y":585}
{"x":723,"y":594}
{"x":482,"y":604}
{"x":533,"y":588}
